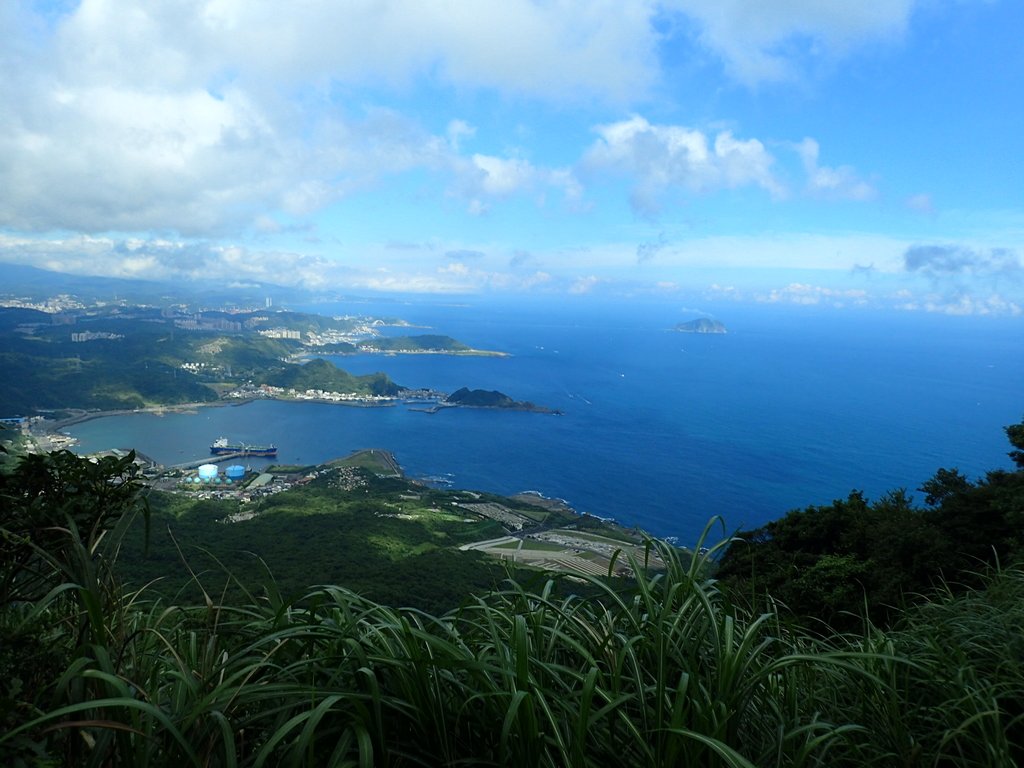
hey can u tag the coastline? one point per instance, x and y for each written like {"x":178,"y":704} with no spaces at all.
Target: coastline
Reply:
{"x":48,"y":427}
{"x":309,"y":354}
{"x":81,"y":418}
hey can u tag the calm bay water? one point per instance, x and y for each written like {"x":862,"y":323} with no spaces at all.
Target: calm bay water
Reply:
{"x":660,"y":429}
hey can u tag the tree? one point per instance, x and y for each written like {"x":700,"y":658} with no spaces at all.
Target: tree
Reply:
{"x":831,"y":563}
{"x":1015,"y":433}
{"x":58,"y":507}
{"x":945,"y":484}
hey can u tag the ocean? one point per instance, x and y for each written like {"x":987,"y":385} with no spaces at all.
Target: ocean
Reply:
{"x":794,"y":406}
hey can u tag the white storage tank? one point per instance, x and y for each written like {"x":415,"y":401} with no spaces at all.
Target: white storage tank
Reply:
{"x":208,"y":472}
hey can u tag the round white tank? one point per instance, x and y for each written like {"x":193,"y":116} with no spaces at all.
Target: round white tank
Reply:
{"x":208,"y":472}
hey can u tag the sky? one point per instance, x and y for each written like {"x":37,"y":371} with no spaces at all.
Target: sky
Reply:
{"x":811,"y":152}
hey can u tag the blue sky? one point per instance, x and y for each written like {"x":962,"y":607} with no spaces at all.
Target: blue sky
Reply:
{"x":780,"y":151}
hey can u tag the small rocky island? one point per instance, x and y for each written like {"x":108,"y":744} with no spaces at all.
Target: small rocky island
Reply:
{"x":482,"y":398}
{"x":701,"y":325}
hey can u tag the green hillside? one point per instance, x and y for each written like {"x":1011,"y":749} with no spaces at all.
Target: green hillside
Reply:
{"x":382,"y":537}
{"x":321,"y":374}
{"x":481,"y":398}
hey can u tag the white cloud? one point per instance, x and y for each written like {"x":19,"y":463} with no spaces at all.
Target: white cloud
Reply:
{"x":482,"y":179}
{"x":962,"y":303}
{"x":801,"y":293}
{"x":207,"y":117}
{"x":456,"y":268}
{"x":486,"y":267}
{"x":202,"y":117}
{"x":946,"y":260}
{"x":96,"y":157}
{"x":768,"y":40}
{"x":966,"y":304}
{"x":840,"y":183}
{"x":206,"y":262}
{"x":922,"y":203}
{"x":161,"y":259}
{"x":838,"y":252}
{"x":100,"y":158}
{"x":500,"y":177}
{"x":457,"y":131}
{"x":718,"y":290}
{"x":584,"y":284}
{"x":663,"y":157}
{"x":553,"y":50}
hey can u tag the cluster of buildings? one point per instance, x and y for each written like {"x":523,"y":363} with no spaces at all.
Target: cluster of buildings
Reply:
{"x":93,"y":335}
{"x":197,"y":367}
{"x":207,"y":483}
{"x":281,"y":333}
{"x":317,"y":395}
{"x":332,"y":397}
{"x":19,"y":423}
{"x":323,"y":338}
{"x":53,"y":305}
{"x":348,"y":479}
{"x":200,"y":323}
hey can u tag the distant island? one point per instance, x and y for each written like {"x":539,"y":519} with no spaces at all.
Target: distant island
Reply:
{"x":482,"y":398}
{"x":701,"y":325}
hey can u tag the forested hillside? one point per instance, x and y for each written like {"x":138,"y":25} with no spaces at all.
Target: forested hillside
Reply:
{"x":320,"y":374}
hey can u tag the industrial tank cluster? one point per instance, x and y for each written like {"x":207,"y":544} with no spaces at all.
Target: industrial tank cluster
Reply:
{"x":210,"y":473}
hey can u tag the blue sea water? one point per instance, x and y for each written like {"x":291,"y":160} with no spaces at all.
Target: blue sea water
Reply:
{"x":659,"y":429}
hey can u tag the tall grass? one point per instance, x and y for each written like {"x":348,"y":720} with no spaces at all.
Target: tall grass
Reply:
{"x":954,"y":674}
{"x":662,"y":671}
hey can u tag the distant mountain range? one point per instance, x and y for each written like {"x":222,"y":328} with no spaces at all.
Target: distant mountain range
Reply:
{"x":21,"y":280}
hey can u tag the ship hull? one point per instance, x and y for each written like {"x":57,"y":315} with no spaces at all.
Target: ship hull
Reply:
{"x":245,"y":450}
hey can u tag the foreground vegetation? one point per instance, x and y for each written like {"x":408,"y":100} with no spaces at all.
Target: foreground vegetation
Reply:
{"x":832,"y":564}
{"x":665,"y":669}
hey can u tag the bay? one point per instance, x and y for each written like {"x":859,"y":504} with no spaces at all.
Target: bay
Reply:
{"x":659,"y":429}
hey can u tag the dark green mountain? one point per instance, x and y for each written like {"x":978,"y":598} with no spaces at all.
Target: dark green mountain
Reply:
{"x":320,"y":374}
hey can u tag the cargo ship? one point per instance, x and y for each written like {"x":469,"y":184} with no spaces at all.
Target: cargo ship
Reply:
{"x":221,"y":447}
